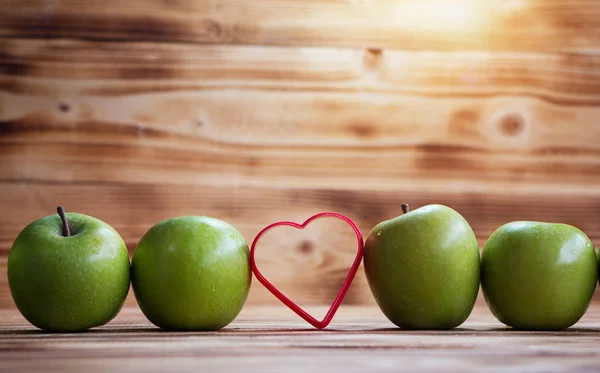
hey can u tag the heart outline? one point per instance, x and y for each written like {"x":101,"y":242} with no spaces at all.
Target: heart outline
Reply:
{"x":319,"y":324}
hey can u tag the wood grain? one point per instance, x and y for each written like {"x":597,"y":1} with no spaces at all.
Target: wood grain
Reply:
{"x":407,"y":24}
{"x":272,"y":339}
{"x":294,"y":139}
{"x":59,"y":67}
{"x":269,"y":110}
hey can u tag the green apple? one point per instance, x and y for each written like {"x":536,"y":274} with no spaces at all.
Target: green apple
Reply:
{"x":423,"y":268}
{"x":191,"y":273}
{"x":538,"y":276}
{"x":68,"y":272}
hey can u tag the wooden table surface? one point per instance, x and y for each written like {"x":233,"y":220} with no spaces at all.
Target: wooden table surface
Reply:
{"x":272,"y":339}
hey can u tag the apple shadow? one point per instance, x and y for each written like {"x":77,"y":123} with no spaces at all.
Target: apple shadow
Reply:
{"x":563,"y":332}
{"x":491,"y":331}
{"x":79,"y":333}
{"x":24,"y":332}
{"x":165,"y":332}
{"x":422,"y":331}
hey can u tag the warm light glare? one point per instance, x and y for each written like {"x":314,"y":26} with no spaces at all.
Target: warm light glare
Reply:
{"x":513,"y":5}
{"x":436,"y":15}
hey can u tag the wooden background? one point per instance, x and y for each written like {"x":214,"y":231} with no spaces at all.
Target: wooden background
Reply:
{"x":258,"y":111}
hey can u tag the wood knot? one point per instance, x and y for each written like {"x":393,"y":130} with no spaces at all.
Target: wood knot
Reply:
{"x":464,"y":122}
{"x":64,"y":107}
{"x":363,"y":129}
{"x":373,"y":58}
{"x":306,"y":247}
{"x":212,"y":29}
{"x":375,"y":51}
{"x":512,"y":125}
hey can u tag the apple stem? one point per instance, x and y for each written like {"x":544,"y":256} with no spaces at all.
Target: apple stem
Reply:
{"x":405,"y":208}
{"x":65,"y":224}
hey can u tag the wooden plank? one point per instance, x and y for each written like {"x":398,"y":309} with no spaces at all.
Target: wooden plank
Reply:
{"x":302,"y":116}
{"x":271,"y":339}
{"x":309,"y":265}
{"x":329,"y":100}
{"x":407,"y":24}
{"x":296,"y":138}
{"x":73,"y":67}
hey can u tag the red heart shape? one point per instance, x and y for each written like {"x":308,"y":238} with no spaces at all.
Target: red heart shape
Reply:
{"x":343,"y":290}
